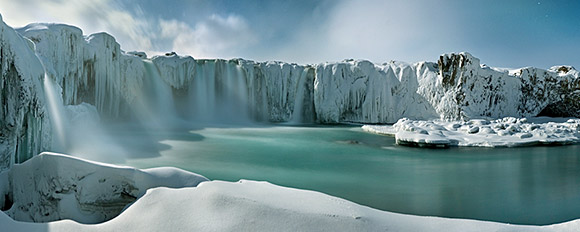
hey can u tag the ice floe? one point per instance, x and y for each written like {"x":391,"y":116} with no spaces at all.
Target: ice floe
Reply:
{"x":505,"y":132}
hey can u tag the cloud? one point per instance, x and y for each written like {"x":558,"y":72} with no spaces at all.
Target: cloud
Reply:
{"x":376,"y":30}
{"x":91,"y":16}
{"x":216,"y":36}
{"x":213,"y":36}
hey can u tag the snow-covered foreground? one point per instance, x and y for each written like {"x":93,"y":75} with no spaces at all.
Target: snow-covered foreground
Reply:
{"x":52,"y":186}
{"x":505,"y":132}
{"x":232,"y":206}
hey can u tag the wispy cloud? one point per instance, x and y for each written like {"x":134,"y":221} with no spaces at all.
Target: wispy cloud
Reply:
{"x":377,"y":30}
{"x":91,"y":16}
{"x":506,"y":33}
{"x":216,"y":36}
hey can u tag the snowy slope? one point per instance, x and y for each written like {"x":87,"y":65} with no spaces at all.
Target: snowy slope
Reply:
{"x":69,"y":187}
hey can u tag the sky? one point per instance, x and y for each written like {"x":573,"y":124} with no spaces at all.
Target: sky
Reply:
{"x":510,"y":34}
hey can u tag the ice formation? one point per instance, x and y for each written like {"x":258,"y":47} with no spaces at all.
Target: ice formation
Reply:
{"x":24,"y":125}
{"x":505,"y":132}
{"x":53,"y":186}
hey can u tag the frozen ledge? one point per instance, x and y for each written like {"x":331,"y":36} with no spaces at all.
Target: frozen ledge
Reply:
{"x":505,"y":132}
{"x":51,"y":187}
{"x":211,"y":206}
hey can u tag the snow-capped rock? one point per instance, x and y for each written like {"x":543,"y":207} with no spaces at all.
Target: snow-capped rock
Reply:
{"x":52,"y":187}
{"x":505,"y":132}
{"x":465,"y":89}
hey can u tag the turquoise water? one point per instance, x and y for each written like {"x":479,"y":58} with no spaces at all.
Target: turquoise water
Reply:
{"x":535,"y":185}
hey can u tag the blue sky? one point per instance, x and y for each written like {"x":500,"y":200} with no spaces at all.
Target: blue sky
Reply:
{"x":513,"y":33}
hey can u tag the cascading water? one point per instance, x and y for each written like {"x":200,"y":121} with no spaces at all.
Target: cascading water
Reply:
{"x":155,"y":103}
{"x":299,"y":99}
{"x":57,"y":113}
{"x":218,"y":93}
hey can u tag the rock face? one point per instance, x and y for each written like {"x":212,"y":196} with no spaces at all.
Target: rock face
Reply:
{"x":469,"y":90}
{"x":129,"y":86}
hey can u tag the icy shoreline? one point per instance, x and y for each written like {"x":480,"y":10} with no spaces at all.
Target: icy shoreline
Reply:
{"x":228,"y":206}
{"x":505,"y":132}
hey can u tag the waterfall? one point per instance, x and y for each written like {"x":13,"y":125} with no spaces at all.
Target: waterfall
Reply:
{"x":155,"y":103}
{"x":57,"y":112}
{"x":218,"y":93}
{"x":299,"y":99}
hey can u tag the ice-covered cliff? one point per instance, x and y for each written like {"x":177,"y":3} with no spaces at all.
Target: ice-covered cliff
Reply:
{"x":93,"y":69}
{"x":129,"y":86}
{"x":23,"y":121}
{"x":465,"y":89}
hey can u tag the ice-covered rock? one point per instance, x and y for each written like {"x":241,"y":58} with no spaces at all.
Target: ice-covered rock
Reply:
{"x":90,"y":69}
{"x":52,"y":187}
{"x":464,"y":89}
{"x":360,"y":91}
{"x":24,"y":125}
{"x":505,"y":132}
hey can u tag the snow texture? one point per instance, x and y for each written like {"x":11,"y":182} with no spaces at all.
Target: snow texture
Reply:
{"x":52,"y":187}
{"x":211,"y":206}
{"x":505,"y":132}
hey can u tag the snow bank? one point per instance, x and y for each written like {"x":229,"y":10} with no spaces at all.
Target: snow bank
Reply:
{"x":260,"y":206}
{"x":505,"y":132}
{"x":52,"y":187}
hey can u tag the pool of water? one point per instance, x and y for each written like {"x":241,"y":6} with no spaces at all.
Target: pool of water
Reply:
{"x":534,"y":185}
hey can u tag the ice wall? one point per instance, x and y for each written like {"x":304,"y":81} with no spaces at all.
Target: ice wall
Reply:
{"x":23,"y":125}
{"x":238,"y":90}
{"x":89,"y":69}
{"x":95,"y":70}
{"x":360,"y":91}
